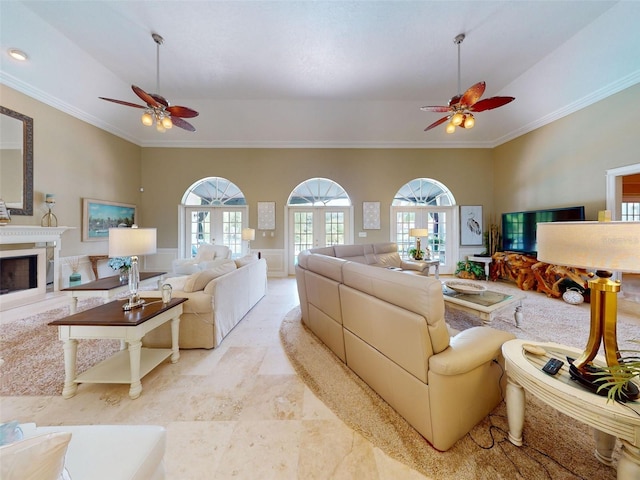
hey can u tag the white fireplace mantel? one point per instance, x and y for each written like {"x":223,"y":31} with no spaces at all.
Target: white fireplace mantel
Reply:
{"x":24,"y":234}
{"x":12,"y":234}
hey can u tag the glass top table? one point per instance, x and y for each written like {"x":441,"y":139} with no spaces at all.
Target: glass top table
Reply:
{"x":484,"y":304}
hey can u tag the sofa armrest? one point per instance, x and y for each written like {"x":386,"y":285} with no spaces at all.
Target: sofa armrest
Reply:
{"x":416,"y":265}
{"x":468,"y":350}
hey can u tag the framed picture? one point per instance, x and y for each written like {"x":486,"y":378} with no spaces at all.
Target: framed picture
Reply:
{"x":266,"y":215}
{"x":471,"y":225}
{"x":371,"y":215}
{"x":98,"y":216}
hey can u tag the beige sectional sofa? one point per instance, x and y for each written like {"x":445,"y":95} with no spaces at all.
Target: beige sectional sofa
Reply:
{"x":389,"y":328}
{"x":219,"y":298}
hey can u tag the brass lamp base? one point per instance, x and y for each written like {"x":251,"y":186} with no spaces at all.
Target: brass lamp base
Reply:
{"x":418,"y":255}
{"x":604,"y":306}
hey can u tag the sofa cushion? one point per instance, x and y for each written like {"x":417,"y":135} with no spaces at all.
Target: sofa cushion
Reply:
{"x":219,"y":271}
{"x":246,"y":260}
{"x":35,"y":458}
{"x":198,"y":281}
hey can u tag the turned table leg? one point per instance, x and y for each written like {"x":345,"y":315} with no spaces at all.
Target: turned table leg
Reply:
{"x":135,"y":349}
{"x":515,"y":411}
{"x":629,"y":462}
{"x":605,"y":443}
{"x":70,"y":354}
{"x":175,"y":347}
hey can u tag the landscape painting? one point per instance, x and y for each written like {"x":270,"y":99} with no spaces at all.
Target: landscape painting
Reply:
{"x":99,"y":216}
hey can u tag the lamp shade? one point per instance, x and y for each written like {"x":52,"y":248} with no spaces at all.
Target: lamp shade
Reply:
{"x":248,"y":234}
{"x":127,"y":242}
{"x":591,"y":245}
{"x":418,"y":232}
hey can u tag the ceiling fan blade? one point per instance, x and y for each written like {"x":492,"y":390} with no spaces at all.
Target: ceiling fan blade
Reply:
{"x":473,"y":94}
{"x":178,"y":122}
{"x":148,"y":99}
{"x":490,"y":103}
{"x":436,"y":123}
{"x":435,"y":108}
{"x":122,"y":102}
{"x":184,"y":112}
{"x":160,"y":99}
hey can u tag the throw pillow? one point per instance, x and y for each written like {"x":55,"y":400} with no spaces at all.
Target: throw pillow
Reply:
{"x":246,"y":260}
{"x":220,"y":270}
{"x":35,"y":458}
{"x":198,"y":281}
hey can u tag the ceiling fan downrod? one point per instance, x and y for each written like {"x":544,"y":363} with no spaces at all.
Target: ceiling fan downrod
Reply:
{"x":458,"y":40}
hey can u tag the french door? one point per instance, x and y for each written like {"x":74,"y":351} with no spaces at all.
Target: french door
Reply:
{"x":439,"y":221}
{"x":215,"y":225}
{"x":313,"y":227}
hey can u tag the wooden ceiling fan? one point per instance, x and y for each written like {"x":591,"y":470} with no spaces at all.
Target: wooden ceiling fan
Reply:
{"x":461,"y":107}
{"x":158,"y":108}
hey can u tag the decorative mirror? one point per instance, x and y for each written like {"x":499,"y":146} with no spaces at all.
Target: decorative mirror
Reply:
{"x":16,"y":161}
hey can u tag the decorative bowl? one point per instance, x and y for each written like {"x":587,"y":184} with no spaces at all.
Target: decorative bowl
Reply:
{"x":466,"y":287}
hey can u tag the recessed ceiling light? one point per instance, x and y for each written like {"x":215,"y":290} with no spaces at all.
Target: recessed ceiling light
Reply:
{"x":18,"y":54}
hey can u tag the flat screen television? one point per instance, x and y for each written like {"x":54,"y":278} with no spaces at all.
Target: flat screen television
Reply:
{"x":519,"y":228}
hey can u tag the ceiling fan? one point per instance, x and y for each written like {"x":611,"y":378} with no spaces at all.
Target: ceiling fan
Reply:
{"x":461,"y":107}
{"x":158,"y":108}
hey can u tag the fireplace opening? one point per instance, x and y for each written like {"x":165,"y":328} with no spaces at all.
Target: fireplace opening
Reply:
{"x":18,"y":273}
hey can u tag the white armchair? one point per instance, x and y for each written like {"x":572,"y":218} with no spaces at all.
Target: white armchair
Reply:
{"x":206,"y":254}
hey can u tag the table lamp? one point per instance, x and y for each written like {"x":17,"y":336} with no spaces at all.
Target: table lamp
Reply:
{"x":418,"y":232}
{"x":131,"y":242}
{"x":603,"y":247}
{"x":248,"y":234}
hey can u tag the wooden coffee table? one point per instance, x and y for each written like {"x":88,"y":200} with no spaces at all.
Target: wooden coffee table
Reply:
{"x":609,"y":420}
{"x":110,"y":321}
{"x":107,"y":288}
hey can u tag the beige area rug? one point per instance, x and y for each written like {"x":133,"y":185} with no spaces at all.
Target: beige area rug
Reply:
{"x":555,"y":446}
{"x":33,"y":355}
{"x":552,"y":320}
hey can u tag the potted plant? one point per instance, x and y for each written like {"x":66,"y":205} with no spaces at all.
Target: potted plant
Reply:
{"x":470,"y":270}
{"x":413,"y":253}
{"x":614,"y":378}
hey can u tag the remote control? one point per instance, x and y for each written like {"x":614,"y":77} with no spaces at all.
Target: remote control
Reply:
{"x":553,"y":366}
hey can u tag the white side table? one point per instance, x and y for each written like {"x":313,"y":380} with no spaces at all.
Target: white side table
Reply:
{"x":485,"y":260}
{"x":608,"y":419}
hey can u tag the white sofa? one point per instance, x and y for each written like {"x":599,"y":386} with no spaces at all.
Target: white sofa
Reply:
{"x":390,"y":329}
{"x":96,"y":452}
{"x":218,"y":299}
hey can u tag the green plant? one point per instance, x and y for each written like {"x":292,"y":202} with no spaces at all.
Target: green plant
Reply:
{"x":472,"y":268}
{"x":614,"y":378}
{"x":413,"y":251}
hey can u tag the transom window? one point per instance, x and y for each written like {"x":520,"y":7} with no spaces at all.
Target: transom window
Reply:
{"x":319,"y":192}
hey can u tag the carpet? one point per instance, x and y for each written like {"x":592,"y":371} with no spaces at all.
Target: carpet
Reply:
{"x":555,"y":446}
{"x":34,"y":358}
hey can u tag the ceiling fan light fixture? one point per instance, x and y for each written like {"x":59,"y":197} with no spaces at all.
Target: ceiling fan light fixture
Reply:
{"x":450,"y":128}
{"x":147,"y":118}
{"x":457,"y":118}
{"x":160,"y":127}
{"x":166,"y":122}
{"x":469,"y":121}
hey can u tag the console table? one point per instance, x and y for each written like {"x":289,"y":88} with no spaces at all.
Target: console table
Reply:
{"x":610,"y":420}
{"x":110,"y":321}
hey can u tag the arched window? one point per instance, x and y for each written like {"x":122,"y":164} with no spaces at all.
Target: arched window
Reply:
{"x":319,"y":215}
{"x":427,"y":204}
{"x":213,"y":210}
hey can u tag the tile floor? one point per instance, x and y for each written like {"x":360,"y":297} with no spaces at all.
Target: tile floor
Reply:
{"x":238,"y":411}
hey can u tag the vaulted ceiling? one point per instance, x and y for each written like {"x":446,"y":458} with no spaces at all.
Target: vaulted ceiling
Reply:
{"x":321,"y":73}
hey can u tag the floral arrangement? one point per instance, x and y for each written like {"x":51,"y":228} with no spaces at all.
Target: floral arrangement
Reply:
{"x":120,"y":263}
